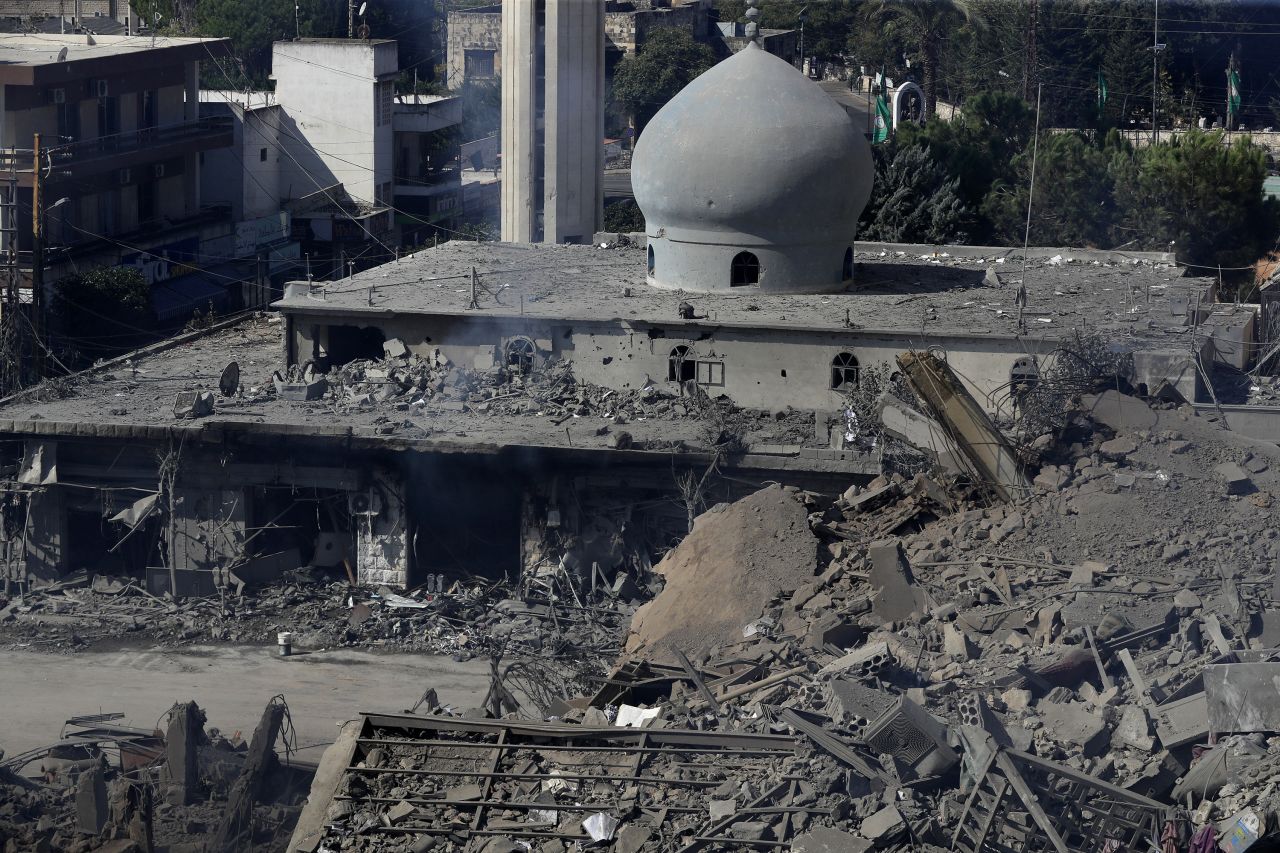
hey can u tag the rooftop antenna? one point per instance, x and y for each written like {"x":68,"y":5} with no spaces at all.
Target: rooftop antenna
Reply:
{"x":362,"y":31}
{"x":1021,"y":298}
{"x":297,"y":21}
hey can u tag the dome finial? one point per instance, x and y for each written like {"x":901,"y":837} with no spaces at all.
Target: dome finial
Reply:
{"x":752,"y":28}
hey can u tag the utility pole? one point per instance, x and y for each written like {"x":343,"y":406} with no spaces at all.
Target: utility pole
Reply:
{"x":37,"y":260}
{"x":10,"y":372}
{"x":1155,"y":74}
{"x":1030,"y":59}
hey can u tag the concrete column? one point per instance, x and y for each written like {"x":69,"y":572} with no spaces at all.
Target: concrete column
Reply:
{"x":573,"y":195}
{"x":519,"y":119}
{"x":571,"y":92}
{"x":382,"y":541}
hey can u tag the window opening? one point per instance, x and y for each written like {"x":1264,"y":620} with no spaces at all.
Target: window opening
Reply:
{"x":745,"y":271}
{"x":680,"y":366}
{"x":519,"y":356}
{"x":844,"y":371}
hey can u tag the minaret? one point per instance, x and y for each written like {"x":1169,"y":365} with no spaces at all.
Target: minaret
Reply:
{"x":552,"y":120}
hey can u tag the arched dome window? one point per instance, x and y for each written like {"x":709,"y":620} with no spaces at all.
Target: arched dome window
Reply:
{"x":518,"y":355}
{"x":1024,"y":375}
{"x":680,"y":366}
{"x":847,"y":272}
{"x":650,"y":260}
{"x":844,"y":371}
{"x":745,"y":270}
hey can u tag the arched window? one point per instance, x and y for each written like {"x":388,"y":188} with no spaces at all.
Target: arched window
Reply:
{"x":650,"y":260}
{"x":847,"y":272}
{"x":681,"y":367}
{"x":518,"y":356}
{"x":745,"y":270}
{"x":1023,"y":376}
{"x":844,"y":371}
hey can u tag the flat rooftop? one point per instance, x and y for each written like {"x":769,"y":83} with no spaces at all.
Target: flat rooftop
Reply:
{"x":895,"y":290}
{"x":132,"y":398}
{"x":30,"y":50}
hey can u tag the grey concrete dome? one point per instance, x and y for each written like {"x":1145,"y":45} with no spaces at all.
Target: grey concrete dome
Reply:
{"x":752,"y":176}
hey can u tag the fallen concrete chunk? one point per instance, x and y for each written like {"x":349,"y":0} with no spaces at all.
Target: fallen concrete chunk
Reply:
{"x":1235,"y":478}
{"x":1134,"y":729}
{"x":828,"y":840}
{"x":1243,"y":697}
{"x":885,"y":824}
{"x":897,"y":595}
{"x":915,"y":739}
{"x":395,"y":348}
{"x":1118,"y":449}
{"x":92,"y":809}
{"x":1073,"y":723}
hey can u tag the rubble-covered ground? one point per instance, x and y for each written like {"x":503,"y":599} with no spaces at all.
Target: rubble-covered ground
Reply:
{"x":1084,"y":668}
{"x":909,"y":665}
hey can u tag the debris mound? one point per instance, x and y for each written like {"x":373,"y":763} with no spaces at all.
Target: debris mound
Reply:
{"x":736,"y":559}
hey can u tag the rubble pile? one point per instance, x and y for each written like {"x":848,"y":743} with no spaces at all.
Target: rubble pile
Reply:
{"x":410,"y":383}
{"x":181,"y":787}
{"x":473,"y":617}
{"x":1089,"y":666}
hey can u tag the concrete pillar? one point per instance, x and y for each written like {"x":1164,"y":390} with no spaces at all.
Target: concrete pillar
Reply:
{"x":382,"y":541}
{"x":191,"y":112}
{"x":552,"y":120}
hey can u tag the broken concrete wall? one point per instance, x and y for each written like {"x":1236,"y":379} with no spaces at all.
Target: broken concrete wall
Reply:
{"x":46,"y":535}
{"x":382,"y":539}
{"x":760,"y":368}
{"x":209,"y":528}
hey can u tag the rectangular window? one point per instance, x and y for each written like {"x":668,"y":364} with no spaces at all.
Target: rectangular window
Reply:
{"x":262,"y":155}
{"x":386,"y":94}
{"x":711,"y":373}
{"x":69,"y":122}
{"x":478,"y":64}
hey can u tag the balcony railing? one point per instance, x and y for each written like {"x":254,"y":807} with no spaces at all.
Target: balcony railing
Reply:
{"x":198,"y":134}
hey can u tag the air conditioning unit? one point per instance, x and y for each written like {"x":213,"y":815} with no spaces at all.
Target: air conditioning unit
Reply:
{"x":103,"y":91}
{"x":59,"y":96}
{"x":368,"y":503}
{"x":126,"y":176}
{"x":157,"y":171}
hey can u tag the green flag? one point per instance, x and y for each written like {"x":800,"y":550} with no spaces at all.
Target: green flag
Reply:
{"x":1102,"y":92}
{"x":884,"y":117}
{"x":1233,"y":92}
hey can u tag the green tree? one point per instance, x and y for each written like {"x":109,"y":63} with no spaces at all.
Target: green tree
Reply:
{"x":667,"y":62}
{"x":1203,"y":196}
{"x":978,"y":147}
{"x":1073,"y":203}
{"x":914,"y":200}
{"x":623,"y":217}
{"x":927,"y":25}
{"x":104,"y":311}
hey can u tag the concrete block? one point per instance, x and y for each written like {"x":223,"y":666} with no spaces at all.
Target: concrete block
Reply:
{"x":1243,"y":697}
{"x":92,"y":809}
{"x":1183,"y":720}
{"x":827,"y":840}
{"x":915,"y":738}
{"x":1134,"y":729}
{"x":1235,"y":478}
{"x":395,"y":348}
{"x":891,"y":575}
{"x":884,"y":824}
{"x":1118,"y":448}
{"x":193,"y":404}
{"x":1074,"y":723}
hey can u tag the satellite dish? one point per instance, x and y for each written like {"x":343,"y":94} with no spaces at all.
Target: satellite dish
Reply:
{"x":363,"y":6}
{"x":62,"y":55}
{"x":229,"y":383}
{"x":88,"y":37}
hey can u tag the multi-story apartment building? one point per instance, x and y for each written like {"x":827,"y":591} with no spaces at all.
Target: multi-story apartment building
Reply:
{"x":356,"y":169}
{"x":118,"y":126}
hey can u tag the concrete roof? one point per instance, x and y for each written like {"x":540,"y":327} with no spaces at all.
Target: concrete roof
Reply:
{"x":895,"y":290}
{"x":32,"y":58}
{"x":132,"y":398}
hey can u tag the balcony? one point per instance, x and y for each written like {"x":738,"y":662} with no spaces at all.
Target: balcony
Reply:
{"x":76,"y":160}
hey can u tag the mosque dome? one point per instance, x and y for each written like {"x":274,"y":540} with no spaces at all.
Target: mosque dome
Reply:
{"x":752,"y":176}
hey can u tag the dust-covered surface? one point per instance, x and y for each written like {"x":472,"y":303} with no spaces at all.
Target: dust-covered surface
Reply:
{"x":736,"y":558}
{"x":936,"y":292}
{"x":483,"y":412}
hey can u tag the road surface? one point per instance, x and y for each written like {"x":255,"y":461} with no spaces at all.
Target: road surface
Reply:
{"x":232,"y":684}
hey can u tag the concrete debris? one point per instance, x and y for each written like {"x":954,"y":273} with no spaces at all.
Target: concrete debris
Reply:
{"x":912,"y":663}
{"x":98,"y":788}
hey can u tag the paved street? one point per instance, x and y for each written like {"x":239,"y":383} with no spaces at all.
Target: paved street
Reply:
{"x":232,"y":684}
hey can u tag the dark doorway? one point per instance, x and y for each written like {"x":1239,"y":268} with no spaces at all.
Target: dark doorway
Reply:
{"x":746,"y":270}
{"x":349,"y":343}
